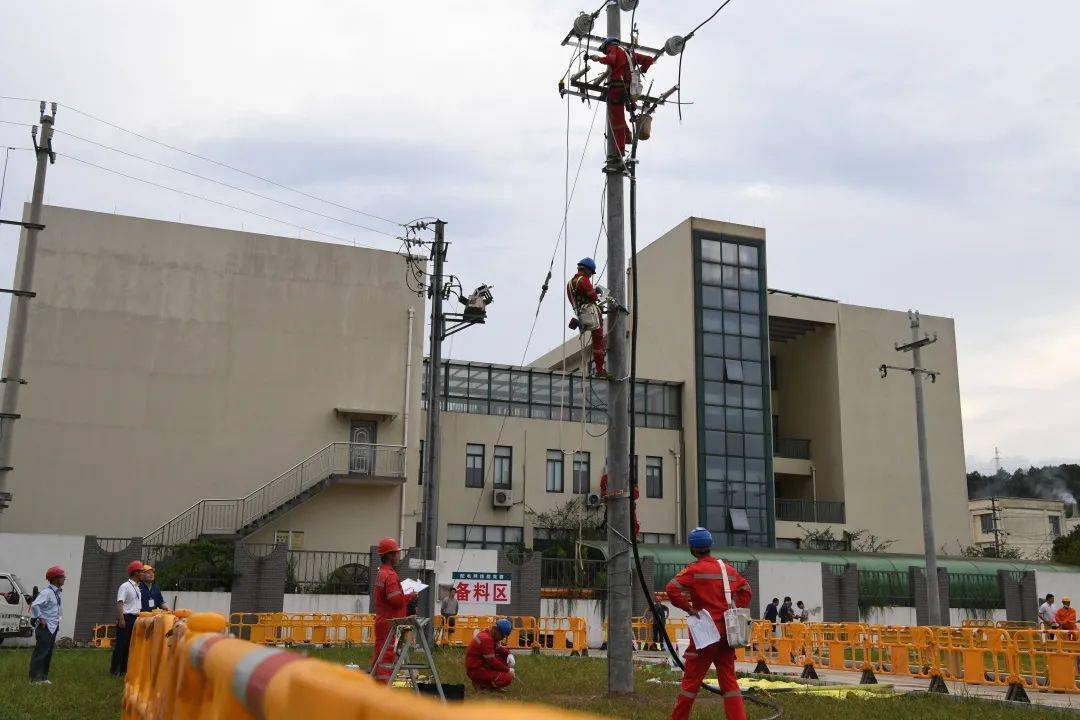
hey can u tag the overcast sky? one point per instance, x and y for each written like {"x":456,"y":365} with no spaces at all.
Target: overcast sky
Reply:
{"x":900,"y":154}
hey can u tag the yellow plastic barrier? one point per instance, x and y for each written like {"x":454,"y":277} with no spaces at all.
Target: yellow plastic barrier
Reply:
{"x":563,"y":634}
{"x":191,"y":669}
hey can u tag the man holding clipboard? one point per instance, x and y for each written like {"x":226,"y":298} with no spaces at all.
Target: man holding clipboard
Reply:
{"x":705,"y":589}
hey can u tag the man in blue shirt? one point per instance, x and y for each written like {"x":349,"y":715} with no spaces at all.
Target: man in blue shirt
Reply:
{"x":148,"y":589}
{"x":47,"y":610}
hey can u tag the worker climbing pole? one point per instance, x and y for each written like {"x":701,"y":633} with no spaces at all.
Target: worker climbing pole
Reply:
{"x":588,"y":317}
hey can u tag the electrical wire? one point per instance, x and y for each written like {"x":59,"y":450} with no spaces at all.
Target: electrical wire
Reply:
{"x":205,"y":199}
{"x":707,"y":20}
{"x":777,"y":710}
{"x":227,"y":166}
{"x":3,"y":177}
{"x":20,"y":99}
{"x":219,"y":182}
{"x":703,"y":23}
{"x":14,"y":122}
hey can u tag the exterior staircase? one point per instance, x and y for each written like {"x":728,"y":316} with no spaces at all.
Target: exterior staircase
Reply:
{"x":338,"y":462}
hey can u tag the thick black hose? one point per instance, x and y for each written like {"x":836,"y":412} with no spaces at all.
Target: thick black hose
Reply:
{"x":778,"y":711}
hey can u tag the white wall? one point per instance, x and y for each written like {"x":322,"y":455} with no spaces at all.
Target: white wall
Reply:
{"x":890,"y":616}
{"x":799,"y":580}
{"x":301,"y":603}
{"x":957,"y":616}
{"x":450,"y":561}
{"x":1060,"y":584}
{"x":215,"y":602}
{"x":29,"y":555}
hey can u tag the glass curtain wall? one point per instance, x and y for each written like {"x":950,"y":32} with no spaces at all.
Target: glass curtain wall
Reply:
{"x":734,"y":415}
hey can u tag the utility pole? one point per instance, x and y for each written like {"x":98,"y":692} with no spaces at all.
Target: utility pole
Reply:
{"x":997,"y":529}
{"x":429,"y":528}
{"x":997,"y":461}
{"x":443,"y":325}
{"x":620,"y":666}
{"x":21,"y":295}
{"x":917,"y":371}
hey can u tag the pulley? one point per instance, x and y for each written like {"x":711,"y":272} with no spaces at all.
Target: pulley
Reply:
{"x":583,"y":24}
{"x":675,"y":45}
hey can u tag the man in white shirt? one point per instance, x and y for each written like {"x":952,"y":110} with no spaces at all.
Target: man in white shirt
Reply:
{"x":47,"y":611}
{"x":128,"y":605}
{"x":1046,"y":612}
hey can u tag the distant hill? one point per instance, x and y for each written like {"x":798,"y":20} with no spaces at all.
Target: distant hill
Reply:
{"x":1053,"y":482}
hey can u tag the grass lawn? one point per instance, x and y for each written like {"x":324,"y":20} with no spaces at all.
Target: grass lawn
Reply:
{"x":82,"y":688}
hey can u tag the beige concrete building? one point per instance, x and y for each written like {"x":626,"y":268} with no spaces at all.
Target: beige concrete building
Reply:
{"x":171,"y":366}
{"x":1029,"y":525}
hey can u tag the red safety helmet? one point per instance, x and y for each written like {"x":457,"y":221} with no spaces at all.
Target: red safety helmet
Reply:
{"x":388,"y":545}
{"x":134,"y":566}
{"x":55,"y":572}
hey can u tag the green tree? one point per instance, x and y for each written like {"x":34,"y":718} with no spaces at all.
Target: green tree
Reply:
{"x":199,"y":565}
{"x":1066,"y":548}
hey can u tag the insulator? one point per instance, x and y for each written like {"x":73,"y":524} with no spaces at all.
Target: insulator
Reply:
{"x":675,"y":45}
{"x":627,"y":5}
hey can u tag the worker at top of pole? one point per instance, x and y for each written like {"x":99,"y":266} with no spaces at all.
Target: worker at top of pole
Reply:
{"x":589,"y":319}
{"x":624,"y":67}
{"x":389,"y":602}
{"x":488,"y":663}
{"x":699,"y":588}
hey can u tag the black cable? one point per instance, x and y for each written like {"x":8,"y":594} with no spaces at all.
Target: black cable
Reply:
{"x":706,"y":20}
{"x":221,"y":183}
{"x":778,"y":711}
{"x":226,"y":165}
{"x":685,"y":40}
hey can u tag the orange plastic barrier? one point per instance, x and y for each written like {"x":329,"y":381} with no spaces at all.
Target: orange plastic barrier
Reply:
{"x":103,"y":636}
{"x":563,"y":634}
{"x":191,"y":669}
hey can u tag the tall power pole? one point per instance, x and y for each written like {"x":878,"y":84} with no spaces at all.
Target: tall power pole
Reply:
{"x":997,"y":528}
{"x":21,"y":295}
{"x":429,"y":528}
{"x":620,"y":665}
{"x":934,"y":610}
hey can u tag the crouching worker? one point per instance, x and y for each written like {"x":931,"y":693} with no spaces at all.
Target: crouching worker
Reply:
{"x":488,"y":663}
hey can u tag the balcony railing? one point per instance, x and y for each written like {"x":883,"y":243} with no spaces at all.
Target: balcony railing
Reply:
{"x":797,"y":448}
{"x":822,"y":511}
{"x":229,"y":516}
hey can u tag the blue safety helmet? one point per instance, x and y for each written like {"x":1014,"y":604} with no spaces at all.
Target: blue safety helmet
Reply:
{"x":587,"y":262}
{"x":607,"y":41}
{"x":699,"y":539}
{"x":504,"y":626}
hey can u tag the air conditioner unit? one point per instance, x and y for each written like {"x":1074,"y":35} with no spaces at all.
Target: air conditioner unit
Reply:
{"x":593,"y":500}
{"x":502,"y":499}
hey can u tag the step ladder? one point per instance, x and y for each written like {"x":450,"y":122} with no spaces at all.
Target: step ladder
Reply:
{"x":408,"y":634}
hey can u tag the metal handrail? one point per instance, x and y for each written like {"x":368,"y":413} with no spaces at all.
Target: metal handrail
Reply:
{"x":229,"y":515}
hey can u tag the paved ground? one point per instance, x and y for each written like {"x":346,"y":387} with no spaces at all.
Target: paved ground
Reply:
{"x":901,"y":684}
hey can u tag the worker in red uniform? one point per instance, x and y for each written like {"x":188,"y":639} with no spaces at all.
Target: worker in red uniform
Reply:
{"x":617,"y":58}
{"x":699,"y":587}
{"x":585,"y":301}
{"x":488,"y":663}
{"x":389,"y":603}
{"x":1065,"y":617}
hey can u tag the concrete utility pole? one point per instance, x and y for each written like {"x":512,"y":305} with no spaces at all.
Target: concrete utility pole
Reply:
{"x":997,"y":529}
{"x":620,"y":664}
{"x":934,"y":610}
{"x":429,"y":528}
{"x":21,"y":295}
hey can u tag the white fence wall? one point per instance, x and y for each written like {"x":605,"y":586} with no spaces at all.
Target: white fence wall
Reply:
{"x":798,"y":580}
{"x":301,"y":603}
{"x":215,"y":602}
{"x":30,"y":555}
{"x":453,"y":560}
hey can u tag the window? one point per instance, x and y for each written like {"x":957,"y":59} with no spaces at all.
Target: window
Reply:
{"x":420,"y":475}
{"x":482,"y":537}
{"x":986,"y":523}
{"x":772,"y":371}
{"x":654,"y":477}
{"x":554,"y":471}
{"x":503,"y":462}
{"x":657,"y":538}
{"x":739,"y":521}
{"x":733,"y":371}
{"x":1055,"y":525}
{"x":291,"y":539}
{"x":581,"y":473}
{"x":474,"y":466}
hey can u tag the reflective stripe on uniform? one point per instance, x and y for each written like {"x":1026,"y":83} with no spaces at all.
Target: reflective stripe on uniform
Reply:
{"x":733,"y":693}
{"x":708,"y":576}
{"x":676,"y":583}
{"x":687,"y":694}
{"x":393,"y":594}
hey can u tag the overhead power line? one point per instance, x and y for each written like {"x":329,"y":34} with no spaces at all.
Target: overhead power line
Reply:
{"x":206,"y":199}
{"x":221,"y":183}
{"x":227,"y":166}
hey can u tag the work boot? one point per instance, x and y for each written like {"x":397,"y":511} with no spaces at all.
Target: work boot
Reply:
{"x":602,"y":375}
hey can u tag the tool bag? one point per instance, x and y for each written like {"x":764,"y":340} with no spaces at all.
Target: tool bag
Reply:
{"x":589,"y":317}
{"x":644,"y":127}
{"x":736,"y":619}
